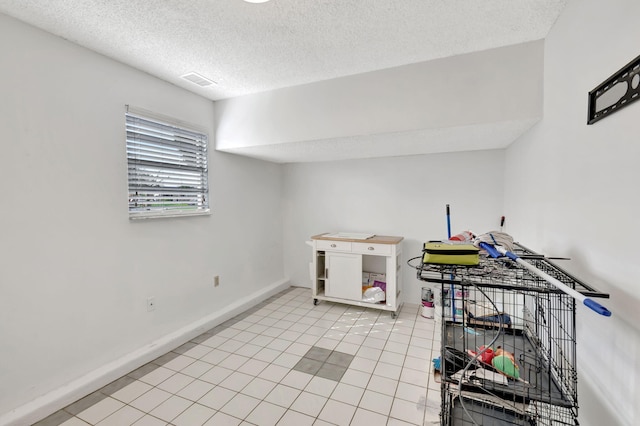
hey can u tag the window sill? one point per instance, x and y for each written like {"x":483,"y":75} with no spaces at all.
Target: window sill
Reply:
{"x":162,"y":214}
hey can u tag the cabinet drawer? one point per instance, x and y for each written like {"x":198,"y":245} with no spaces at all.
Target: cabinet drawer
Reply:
{"x":364,"y":248}
{"x":333,"y":245}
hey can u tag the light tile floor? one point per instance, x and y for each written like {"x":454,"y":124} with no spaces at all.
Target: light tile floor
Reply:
{"x":250,"y":371}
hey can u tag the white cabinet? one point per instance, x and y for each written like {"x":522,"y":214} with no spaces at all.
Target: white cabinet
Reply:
{"x":338,"y":265}
{"x":341,"y":268}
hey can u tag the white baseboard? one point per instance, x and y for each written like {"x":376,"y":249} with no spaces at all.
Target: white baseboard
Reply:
{"x":53,"y":401}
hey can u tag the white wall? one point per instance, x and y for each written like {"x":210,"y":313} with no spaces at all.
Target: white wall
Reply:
{"x":573,"y":191}
{"x":419,"y":105}
{"x":74,"y":271}
{"x":403,"y":196}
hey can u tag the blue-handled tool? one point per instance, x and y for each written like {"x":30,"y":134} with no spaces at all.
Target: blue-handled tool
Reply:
{"x":452,"y":288}
{"x":498,"y":251}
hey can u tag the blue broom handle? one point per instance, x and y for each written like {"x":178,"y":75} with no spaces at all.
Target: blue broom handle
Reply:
{"x":451,"y":287}
{"x":490,"y":249}
{"x":590,"y":303}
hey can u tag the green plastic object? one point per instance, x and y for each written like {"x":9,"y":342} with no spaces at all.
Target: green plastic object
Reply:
{"x":505,"y":365}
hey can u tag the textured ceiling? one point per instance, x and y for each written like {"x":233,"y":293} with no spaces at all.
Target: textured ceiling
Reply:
{"x":248,"y":48}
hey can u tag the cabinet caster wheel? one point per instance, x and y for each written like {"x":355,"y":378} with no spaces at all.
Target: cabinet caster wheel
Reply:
{"x":315,"y":302}
{"x":394,"y":315}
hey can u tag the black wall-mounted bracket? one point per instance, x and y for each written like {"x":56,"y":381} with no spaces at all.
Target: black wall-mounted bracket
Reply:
{"x":616,"y":92}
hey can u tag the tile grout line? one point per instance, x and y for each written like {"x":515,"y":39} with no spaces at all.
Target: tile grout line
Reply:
{"x":293,"y":306}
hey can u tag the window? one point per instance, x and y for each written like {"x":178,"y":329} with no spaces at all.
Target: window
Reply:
{"x":167,"y":162}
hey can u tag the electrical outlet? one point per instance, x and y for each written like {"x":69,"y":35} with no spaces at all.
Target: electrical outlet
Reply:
{"x":216,"y":281}
{"x":151,"y":304}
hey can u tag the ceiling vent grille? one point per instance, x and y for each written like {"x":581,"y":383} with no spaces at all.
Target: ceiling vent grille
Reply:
{"x":196,"y":78}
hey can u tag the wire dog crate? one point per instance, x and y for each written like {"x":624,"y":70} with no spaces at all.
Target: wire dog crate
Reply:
{"x":509,"y":356}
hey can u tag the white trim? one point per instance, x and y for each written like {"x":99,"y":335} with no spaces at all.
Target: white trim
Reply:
{"x":49,"y":403}
{"x":155,"y":214}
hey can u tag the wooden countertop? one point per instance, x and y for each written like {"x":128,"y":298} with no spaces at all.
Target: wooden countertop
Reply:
{"x":376,"y":239}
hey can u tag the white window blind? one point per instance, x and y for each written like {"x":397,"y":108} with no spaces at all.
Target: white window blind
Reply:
{"x":168,"y":173}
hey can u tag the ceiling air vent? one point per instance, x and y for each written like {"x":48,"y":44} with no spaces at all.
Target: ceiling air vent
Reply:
{"x":196,"y":78}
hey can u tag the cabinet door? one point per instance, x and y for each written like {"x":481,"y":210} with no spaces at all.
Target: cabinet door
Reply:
{"x":344,"y":276}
